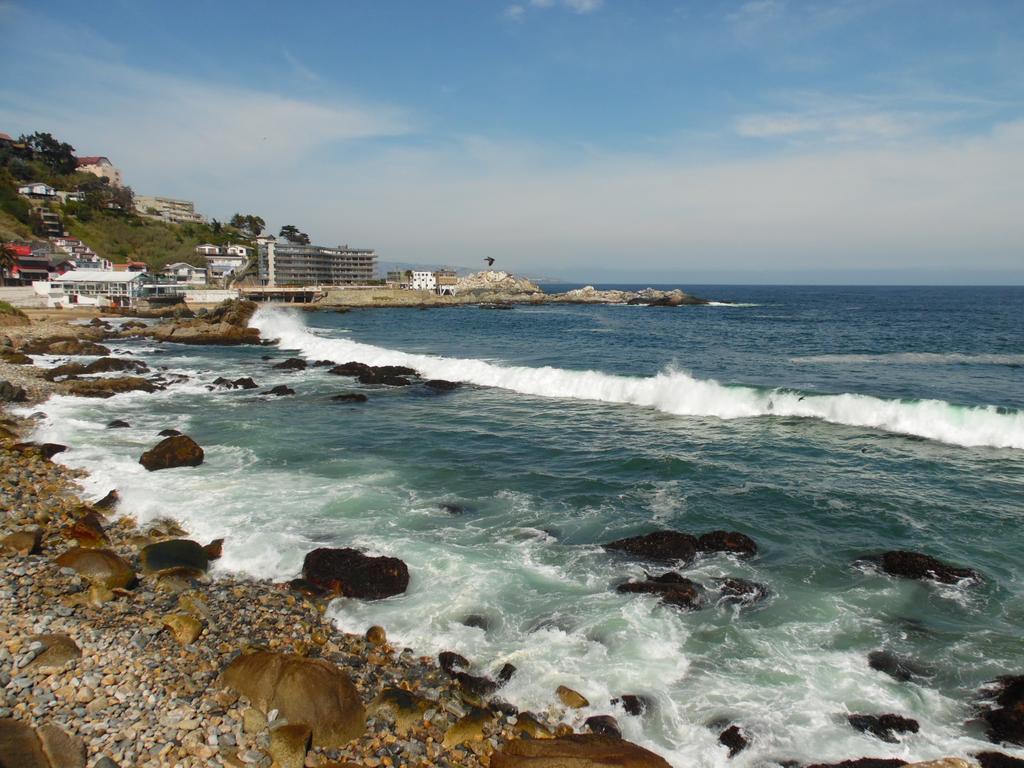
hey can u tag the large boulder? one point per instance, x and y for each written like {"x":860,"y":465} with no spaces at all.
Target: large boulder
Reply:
{"x":177,"y":555}
{"x":884,"y":727}
{"x":1005,"y":717}
{"x":665,"y":546}
{"x":302,"y":690}
{"x":914,"y":565}
{"x":671,"y":587}
{"x":730,"y":542}
{"x":22,"y":746}
{"x":350,"y":573}
{"x":575,"y":751}
{"x":176,"y":451}
{"x":100,"y":566}
{"x":108,"y":387}
{"x":108,"y":364}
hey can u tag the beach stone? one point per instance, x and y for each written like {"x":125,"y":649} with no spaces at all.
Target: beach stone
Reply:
{"x":289,"y":745}
{"x":176,"y":451}
{"x":302,"y":690}
{"x":572,"y":699}
{"x":884,"y":727}
{"x":20,"y":747}
{"x":195,"y":605}
{"x":107,"y":502}
{"x":253,"y":721}
{"x":671,"y":587}
{"x":24,"y":542}
{"x":605,"y":725}
{"x":100,"y":566}
{"x":404,"y":707}
{"x":660,"y":545}
{"x":61,"y":748}
{"x":732,"y":542}
{"x":575,"y":751}
{"x":913,"y":565}
{"x":185,"y":627}
{"x":1005,"y":717}
{"x":87,"y":530}
{"x":350,"y":573}
{"x":174,"y":555}
{"x":468,"y":728}
{"x":46,"y":450}
{"x":376,"y":635}
{"x":57,"y":651}
{"x":528,"y":725}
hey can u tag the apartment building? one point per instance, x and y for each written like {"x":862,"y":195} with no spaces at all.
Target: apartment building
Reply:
{"x":282,"y":263}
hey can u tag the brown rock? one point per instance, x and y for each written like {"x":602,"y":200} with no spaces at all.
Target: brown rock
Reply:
{"x":302,"y":690}
{"x":733,"y":542}
{"x":671,"y":587}
{"x":571,"y":698}
{"x":24,"y":542}
{"x":528,"y":725}
{"x":914,"y":565}
{"x":57,"y":651}
{"x":185,"y":627}
{"x":351,"y":573}
{"x":20,"y":747}
{"x":402,"y":706}
{"x":661,"y":545}
{"x":108,"y":387}
{"x":215,"y":549}
{"x":177,"y":451}
{"x":289,"y":745}
{"x":100,"y":566}
{"x":181,"y":556}
{"x":575,"y":751}
{"x":468,"y":728}
{"x":376,"y":635}
{"x":61,"y":748}
{"x":87,"y":530}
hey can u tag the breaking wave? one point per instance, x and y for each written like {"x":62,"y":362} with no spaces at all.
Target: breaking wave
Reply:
{"x":672,"y":391}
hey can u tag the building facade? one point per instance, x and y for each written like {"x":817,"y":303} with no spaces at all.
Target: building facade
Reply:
{"x":84,"y":286}
{"x":185,"y":274}
{"x":37,"y":189}
{"x":283,"y":263}
{"x":167,"y":208}
{"x":423,"y":281}
{"x":100,"y":166}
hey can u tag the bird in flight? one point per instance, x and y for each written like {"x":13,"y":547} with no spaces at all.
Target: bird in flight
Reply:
{"x":489,"y":260}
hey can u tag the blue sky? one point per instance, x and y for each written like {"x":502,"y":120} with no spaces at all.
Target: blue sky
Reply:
{"x":746,"y":140}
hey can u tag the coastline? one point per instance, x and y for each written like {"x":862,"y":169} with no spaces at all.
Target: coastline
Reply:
{"x":179,"y":678}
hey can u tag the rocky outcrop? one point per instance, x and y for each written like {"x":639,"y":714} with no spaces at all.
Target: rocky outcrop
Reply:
{"x":896,"y":667}
{"x":884,"y":727}
{"x":292,"y":364}
{"x":280,"y":391}
{"x":1004,"y":718}
{"x":118,"y":424}
{"x":733,"y":739}
{"x":105,"y":388}
{"x":494,"y":281}
{"x":243,"y":383}
{"x":575,"y":751}
{"x":302,"y":690}
{"x":672,"y":588}
{"x":177,"y":451}
{"x":730,"y":542}
{"x":914,"y":565}
{"x":350,"y":573}
{"x":440,"y":385}
{"x":64,"y":346}
{"x":664,"y":546}
{"x":650,"y":296}
{"x":733,"y":591}
{"x":226,"y":324}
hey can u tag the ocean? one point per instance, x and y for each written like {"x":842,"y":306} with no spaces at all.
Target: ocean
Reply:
{"x":827,"y":423}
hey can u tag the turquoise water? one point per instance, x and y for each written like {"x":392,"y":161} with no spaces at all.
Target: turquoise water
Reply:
{"x":826,"y":423}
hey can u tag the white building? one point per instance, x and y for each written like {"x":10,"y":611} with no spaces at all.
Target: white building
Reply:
{"x":37,"y":189}
{"x":100,"y":166}
{"x":224,"y":260}
{"x":185,"y":274}
{"x":167,"y":208}
{"x":423,"y":281}
{"x":87,"y":286}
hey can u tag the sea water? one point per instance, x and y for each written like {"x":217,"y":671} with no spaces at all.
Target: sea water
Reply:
{"x":826,"y":423}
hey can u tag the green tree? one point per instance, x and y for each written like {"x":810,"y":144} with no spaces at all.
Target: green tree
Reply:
{"x":248,"y":224}
{"x":58,"y":156}
{"x":291,"y":233}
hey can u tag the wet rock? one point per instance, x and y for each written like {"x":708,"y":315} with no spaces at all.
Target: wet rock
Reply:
{"x":215,"y":549}
{"x":477,"y":621}
{"x":108,"y":502}
{"x":998,"y":760}
{"x":350,"y":573}
{"x":634,"y":705}
{"x":302,"y":690}
{"x":864,"y":762}
{"x":350,"y":369}
{"x":168,"y":433}
{"x":577,"y":750}
{"x":58,"y":650}
{"x":292,"y":364}
{"x":1005,"y":717}
{"x":477,"y":686}
{"x":661,"y":545}
{"x":451,"y":662}
{"x":391,"y":381}
{"x":110,"y":364}
{"x":376,"y":635}
{"x":506,"y":673}
{"x":242,"y":383}
{"x":403,"y":707}
{"x":733,"y":591}
{"x":570,"y":698}
{"x":87,"y":530}
{"x":307,"y":588}
{"x":440,"y":385}
{"x":280,"y":391}
{"x":185,"y":627}
{"x":46,"y":450}
{"x":884,"y":727}
{"x":11,"y":393}
{"x":104,"y":388}
{"x":176,"y":451}
{"x":732,"y":542}
{"x":469,"y":728}
{"x":895,"y":666}
{"x":176,"y":555}
{"x":527,"y":725}
{"x":350,"y":397}
{"x":24,"y":542}
{"x":733,"y":738}
{"x":100,"y":566}
{"x":914,"y":565}
{"x":452,"y":508}
{"x":671,"y":587}
{"x":604,"y":725}
{"x":118,"y":424}
{"x":289,"y":745}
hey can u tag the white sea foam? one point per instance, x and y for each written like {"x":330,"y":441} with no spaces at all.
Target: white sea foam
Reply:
{"x":672,"y":391}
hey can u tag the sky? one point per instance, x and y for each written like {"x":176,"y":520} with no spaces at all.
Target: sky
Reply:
{"x":814,"y":141}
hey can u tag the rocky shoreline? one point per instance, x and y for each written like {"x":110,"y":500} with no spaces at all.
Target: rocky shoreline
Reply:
{"x":118,"y":647}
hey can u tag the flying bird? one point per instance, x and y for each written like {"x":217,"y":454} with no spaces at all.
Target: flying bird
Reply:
{"x":489,"y":260}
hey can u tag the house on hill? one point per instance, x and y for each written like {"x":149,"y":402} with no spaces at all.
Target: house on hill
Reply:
{"x":185,"y":274}
{"x":37,"y":189}
{"x":100,"y":166}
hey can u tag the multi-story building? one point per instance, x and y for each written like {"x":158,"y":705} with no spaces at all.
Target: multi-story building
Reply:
{"x":283,"y":263}
{"x":100,"y":166}
{"x":115,"y":288}
{"x":167,"y":208}
{"x":423,"y":281}
{"x":224,"y":260}
{"x":48,"y":222}
{"x":444,"y":282}
{"x":185,"y":274}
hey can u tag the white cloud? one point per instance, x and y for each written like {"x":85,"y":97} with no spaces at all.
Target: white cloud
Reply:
{"x":517,"y":11}
{"x":584,"y":6}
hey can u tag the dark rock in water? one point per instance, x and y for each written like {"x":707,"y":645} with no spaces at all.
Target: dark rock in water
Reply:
{"x":118,"y":424}
{"x":10,"y":393}
{"x":168,"y":433}
{"x":375,"y":378}
{"x":1005,"y":718}
{"x":885,"y":727}
{"x":672,"y":588}
{"x":733,"y":542}
{"x":476,"y":620}
{"x":109,"y":501}
{"x":733,"y":738}
{"x":108,"y":364}
{"x":266,"y":357}
{"x":214,"y":549}
{"x":307,"y":588}
{"x":895,"y":666}
{"x":451,"y":662}
{"x":350,"y":397}
{"x":506,"y":672}
{"x":998,"y":760}
{"x":634,"y":705}
{"x":46,"y":450}
{"x":245,"y":383}
{"x":503,"y":707}
{"x":280,"y":391}
{"x":323,"y":364}
{"x":864,"y":762}
{"x":106,"y":387}
{"x":180,"y":555}
{"x":440,"y":385}
{"x":604,"y":725}
{"x":660,"y":545}
{"x":913,"y":565}
{"x":739,"y":591}
{"x":395,"y":370}
{"x":476,"y":685}
{"x":292,"y":364}
{"x":350,"y":369}
{"x":350,"y":573}
{"x":176,"y":451}
{"x":452,"y":508}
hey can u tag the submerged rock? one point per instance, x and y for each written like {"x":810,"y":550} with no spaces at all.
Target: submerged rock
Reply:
{"x":1005,"y":717}
{"x":884,"y":727}
{"x":302,"y":690}
{"x":671,"y":587}
{"x":280,"y":391}
{"x":176,"y":451}
{"x":576,"y":750}
{"x":350,"y":573}
{"x":732,"y":542}
{"x":660,"y":545}
{"x":440,"y":385}
{"x":733,"y":738}
{"x":168,"y":433}
{"x":733,"y":591}
{"x":350,"y":397}
{"x":118,"y":424}
{"x":633,"y":704}
{"x":914,"y":565}
{"x":292,"y":364}
{"x":894,"y":666}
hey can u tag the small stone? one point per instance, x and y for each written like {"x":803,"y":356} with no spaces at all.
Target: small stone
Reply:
{"x":571,"y":698}
{"x":185,"y":628}
{"x":376,"y":635}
